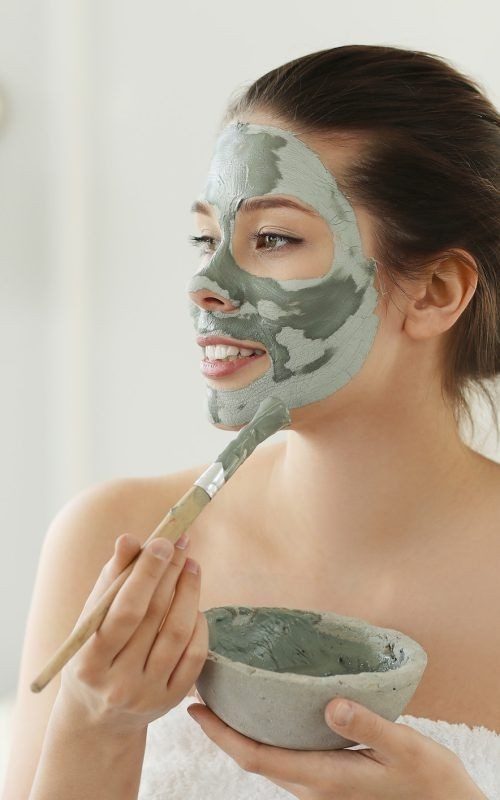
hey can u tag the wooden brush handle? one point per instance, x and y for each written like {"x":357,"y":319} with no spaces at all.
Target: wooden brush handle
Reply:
{"x":172,"y":526}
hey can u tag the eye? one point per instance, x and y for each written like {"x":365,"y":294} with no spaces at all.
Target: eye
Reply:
{"x":200,"y":241}
{"x":276,"y":240}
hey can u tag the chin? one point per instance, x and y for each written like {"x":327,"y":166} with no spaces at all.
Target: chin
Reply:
{"x":228,"y":427}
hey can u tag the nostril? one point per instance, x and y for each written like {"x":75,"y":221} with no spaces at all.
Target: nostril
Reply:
{"x":209,"y":300}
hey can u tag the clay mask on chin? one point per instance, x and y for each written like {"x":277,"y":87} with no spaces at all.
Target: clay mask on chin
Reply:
{"x":317,"y":331}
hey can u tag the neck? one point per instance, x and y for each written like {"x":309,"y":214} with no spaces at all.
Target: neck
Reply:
{"x":374,"y":478}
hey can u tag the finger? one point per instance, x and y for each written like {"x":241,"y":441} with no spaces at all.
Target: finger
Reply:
{"x":138,"y":647}
{"x":132,"y":600}
{"x":179,"y":624}
{"x":321,"y":770}
{"x":126,"y":548}
{"x":390,"y":741}
{"x":191,"y":663}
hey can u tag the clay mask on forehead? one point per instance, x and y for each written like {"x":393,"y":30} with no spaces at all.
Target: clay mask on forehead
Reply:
{"x":317,"y":331}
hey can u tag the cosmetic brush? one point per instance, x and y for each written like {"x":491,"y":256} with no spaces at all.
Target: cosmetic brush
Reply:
{"x":271,"y":416}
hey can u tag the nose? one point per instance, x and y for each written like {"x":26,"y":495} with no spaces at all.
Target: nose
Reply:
{"x":211,"y":301}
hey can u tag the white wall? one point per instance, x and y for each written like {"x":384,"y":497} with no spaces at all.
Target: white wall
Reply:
{"x":25,"y":283}
{"x":112,"y":111}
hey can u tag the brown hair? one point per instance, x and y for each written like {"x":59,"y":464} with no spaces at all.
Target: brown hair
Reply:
{"x":429,"y":174}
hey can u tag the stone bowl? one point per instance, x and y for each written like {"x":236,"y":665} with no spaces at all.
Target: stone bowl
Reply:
{"x":271,"y":671}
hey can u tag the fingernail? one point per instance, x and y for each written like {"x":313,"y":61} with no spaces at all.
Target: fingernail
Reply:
{"x":161,"y":548}
{"x":192,"y":715}
{"x":192,"y":566}
{"x":343,"y":713}
{"x":182,"y":542}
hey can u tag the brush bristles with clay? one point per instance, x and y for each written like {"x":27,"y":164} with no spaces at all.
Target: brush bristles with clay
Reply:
{"x":271,"y":416}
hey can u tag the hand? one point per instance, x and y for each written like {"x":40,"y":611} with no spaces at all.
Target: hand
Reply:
{"x":131,"y":671}
{"x":399,"y":764}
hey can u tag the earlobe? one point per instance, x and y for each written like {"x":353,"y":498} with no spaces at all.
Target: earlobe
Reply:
{"x":448,"y":291}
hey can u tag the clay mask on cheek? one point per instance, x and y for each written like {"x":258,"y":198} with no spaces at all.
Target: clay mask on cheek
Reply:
{"x":317,"y":331}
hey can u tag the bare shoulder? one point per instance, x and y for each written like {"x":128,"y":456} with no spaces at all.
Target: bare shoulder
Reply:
{"x":136,"y":505}
{"x":78,"y":542}
{"x":89,"y":523}
{"x":458,"y":617}
{"x":488,"y":507}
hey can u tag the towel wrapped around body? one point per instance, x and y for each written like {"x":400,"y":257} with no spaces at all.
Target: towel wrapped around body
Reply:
{"x":182,"y":763}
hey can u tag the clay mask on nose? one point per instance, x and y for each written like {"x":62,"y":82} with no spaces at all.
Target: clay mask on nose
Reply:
{"x":317,"y":331}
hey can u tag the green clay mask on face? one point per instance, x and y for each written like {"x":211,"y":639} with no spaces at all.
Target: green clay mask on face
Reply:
{"x":317,"y":331}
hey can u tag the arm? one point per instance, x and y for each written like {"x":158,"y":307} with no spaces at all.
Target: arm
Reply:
{"x":76,"y":545}
{"x":138,"y":665}
{"x":78,"y":542}
{"x":78,"y":762}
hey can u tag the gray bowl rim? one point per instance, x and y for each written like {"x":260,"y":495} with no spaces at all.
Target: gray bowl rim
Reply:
{"x":414,"y":665}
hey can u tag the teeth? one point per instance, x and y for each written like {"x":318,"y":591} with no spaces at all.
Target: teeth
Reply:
{"x":224,"y":352}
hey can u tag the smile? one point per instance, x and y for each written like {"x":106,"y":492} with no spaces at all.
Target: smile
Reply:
{"x":223,"y":356}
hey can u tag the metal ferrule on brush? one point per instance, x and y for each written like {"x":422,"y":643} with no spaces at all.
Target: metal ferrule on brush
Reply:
{"x":212,"y":479}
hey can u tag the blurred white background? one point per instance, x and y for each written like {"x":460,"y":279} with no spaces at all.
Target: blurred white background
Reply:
{"x":110,"y":111}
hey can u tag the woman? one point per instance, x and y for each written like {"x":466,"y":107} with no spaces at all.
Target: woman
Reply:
{"x":368,"y":299}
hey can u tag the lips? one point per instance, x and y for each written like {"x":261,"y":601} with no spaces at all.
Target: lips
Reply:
{"x":219,"y":369}
{"x":216,"y":368}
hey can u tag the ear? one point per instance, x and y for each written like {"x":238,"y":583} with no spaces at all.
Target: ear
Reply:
{"x":436,"y":303}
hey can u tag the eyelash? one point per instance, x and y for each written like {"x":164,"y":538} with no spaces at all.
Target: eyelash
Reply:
{"x":291,"y":241}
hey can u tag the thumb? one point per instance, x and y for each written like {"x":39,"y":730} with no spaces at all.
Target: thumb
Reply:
{"x":356,"y":722}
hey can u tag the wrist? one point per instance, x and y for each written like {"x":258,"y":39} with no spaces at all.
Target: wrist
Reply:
{"x":72,"y":742}
{"x":76,"y":718}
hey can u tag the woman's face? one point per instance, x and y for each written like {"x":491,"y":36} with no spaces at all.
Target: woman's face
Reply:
{"x":284,"y":270}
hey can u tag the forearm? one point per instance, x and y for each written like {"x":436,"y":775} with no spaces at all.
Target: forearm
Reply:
{"x":80,"y":761}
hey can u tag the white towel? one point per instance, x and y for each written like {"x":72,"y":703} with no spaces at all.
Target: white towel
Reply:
{"x":182,"y":763}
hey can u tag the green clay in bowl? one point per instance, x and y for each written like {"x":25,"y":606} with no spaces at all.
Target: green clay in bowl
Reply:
{"x":271,"y":671}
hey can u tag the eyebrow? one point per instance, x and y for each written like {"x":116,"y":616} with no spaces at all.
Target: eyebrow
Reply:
{"x":254,"y":203}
